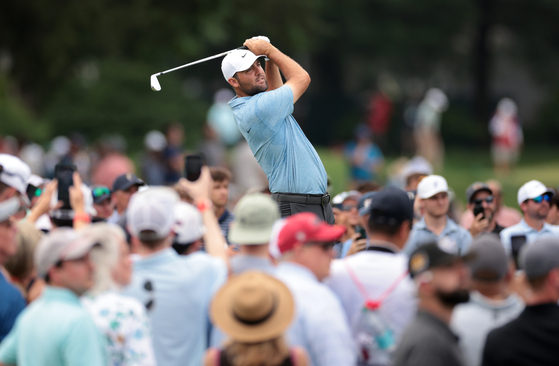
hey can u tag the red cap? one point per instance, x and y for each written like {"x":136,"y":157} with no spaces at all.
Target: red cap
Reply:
{"x":304,"y":227}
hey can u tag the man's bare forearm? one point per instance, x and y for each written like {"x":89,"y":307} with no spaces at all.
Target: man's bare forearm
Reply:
{"x":296,"y":77}
{"x":273,"y":75}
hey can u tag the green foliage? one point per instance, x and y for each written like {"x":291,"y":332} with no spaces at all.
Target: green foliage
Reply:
{"x":15,"y":118}
{"x":121,"y":101}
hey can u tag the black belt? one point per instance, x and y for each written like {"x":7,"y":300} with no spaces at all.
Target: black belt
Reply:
{"x":308,"y":199}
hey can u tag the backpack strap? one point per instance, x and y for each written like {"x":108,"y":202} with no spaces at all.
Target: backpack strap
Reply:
{"x":363,"y":290}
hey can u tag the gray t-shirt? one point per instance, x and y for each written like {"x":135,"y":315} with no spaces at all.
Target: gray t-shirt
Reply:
{"x":278,"y":143}
{"x":473,"y":320}
{"x":428,"y":342}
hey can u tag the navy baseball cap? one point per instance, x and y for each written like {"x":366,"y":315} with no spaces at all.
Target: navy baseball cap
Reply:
{"x":125,"y":181}
{"x":391,"y":206}
{"x":365,"y":203}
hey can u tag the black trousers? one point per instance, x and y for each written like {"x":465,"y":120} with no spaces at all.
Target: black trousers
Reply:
{"x":323,"y":212}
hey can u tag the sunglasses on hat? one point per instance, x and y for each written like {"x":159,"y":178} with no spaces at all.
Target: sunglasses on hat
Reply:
{"x":545,"y":196}
{"x":100,"y":191}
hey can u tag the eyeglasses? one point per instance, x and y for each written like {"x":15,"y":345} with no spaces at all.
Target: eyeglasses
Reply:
{"x":149,"y":288}
{"x":544,"y":196}
{"x":100,"y":191}
{"x":488,"y":199}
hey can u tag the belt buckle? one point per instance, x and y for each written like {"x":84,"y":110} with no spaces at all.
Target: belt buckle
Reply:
{"x":325,"y":199}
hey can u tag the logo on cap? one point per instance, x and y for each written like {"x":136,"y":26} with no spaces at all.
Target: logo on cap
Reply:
{"x":418,"y":262}
{"x":128,"y":176}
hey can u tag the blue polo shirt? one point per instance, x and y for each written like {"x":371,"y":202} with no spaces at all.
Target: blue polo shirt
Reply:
{"x":456,"y":238}
{"x":11,"y":304}
{"x":278,"y":143}
{"x":182,"y":288}
{"x":522,"y":228}
{"x":55,"y":330}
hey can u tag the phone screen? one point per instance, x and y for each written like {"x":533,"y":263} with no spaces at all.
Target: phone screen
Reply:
{"x":479,"y":209}
{"x":516,"y":243}
{"x":193,"y":166}
{"x":63,"y":173}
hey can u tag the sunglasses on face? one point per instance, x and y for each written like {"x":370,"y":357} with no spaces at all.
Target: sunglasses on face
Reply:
{"x":348,"y":207}
{"x":539,"y":199}
{"x":100,"y":191}
{"x":488,"y":199}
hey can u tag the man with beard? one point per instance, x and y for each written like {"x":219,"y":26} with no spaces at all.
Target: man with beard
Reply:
{"x":534,"y":199}
{"x":263,"y":110}
{"x":479,"y":194}
{"x":442,"y":279}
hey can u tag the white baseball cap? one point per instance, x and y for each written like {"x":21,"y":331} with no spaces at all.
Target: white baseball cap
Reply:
{"x":189,"y":224}
{"x":237,"y":60}
{"x":9,"y":207}
{"x":431,"y":185}
{"x":152,"y":211}
{"x":14,"y":172}
{"x":531,"y":190}
{"x":60,"y":244}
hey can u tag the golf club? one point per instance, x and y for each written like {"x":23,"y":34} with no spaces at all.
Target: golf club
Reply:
{"x":155,"y":82}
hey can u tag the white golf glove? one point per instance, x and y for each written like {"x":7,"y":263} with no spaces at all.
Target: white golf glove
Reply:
{"x":264,"y":38}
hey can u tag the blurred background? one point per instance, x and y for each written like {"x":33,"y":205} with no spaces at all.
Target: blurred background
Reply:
{"x":80,"y":69}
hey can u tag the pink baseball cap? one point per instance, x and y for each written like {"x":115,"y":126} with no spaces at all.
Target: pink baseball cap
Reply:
{"x":301,"y":228}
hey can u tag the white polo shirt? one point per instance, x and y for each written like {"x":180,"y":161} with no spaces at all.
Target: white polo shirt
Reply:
{"x":377,"y":271}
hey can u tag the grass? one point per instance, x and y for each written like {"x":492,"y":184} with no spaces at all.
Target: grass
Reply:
{"x":463,"y":167}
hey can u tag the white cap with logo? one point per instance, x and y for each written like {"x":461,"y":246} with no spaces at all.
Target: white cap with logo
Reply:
{"x":14,"y":172}
{"x":150,"y":215}
{"x":431,"y":185}
{"x":189,"y":225}
{"x":531,"y":190}
{"x":237,"y":60}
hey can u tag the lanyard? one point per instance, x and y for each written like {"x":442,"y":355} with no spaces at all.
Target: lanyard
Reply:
{"x":363,"y":290}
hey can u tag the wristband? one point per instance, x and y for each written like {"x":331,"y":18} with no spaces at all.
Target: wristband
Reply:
{"x":203,"y":205}
{"x":82,"y":216}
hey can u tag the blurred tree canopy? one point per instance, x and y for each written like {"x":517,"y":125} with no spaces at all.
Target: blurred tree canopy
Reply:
{"x":84,"y":65}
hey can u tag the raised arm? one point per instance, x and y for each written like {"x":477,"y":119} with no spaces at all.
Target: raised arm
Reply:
{"x":200,"y":192}
{"x":296,"y":77}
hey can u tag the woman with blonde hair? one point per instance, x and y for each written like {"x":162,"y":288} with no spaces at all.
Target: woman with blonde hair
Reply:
{"x":122,"y":320}
{"x":254,"y":310}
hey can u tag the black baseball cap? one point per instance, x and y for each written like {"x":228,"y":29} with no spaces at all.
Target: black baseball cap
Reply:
{"x":475,"y":188}
{"x":391,"y":206}
{"x":100,"y":193}
{"x":125,"y":181}
{"x":433,"y":255}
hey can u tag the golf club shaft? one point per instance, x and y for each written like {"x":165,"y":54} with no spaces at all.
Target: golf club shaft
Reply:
{"x":199,"y":61}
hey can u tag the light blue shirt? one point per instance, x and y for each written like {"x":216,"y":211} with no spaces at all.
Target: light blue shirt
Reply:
{"x":55,"y":330}
{"x":456,"y":238}
{"x":320,"y":325}
{"x":242,"y":263}
{"x":182,"y":290}
{"x":278,"y":143}
{"x":522,"y":228}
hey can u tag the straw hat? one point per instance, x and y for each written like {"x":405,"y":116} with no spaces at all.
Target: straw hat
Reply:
{"x":253,"y":307}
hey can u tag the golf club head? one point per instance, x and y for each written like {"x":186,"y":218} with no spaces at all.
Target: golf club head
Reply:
{"x":155,"y":83}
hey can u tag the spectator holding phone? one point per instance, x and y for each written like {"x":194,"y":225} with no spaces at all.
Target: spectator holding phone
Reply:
{"x":534,"y":199}
{"x":482,"y":203}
